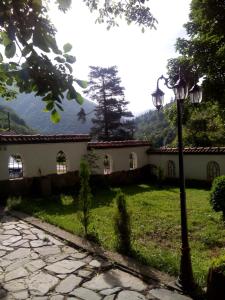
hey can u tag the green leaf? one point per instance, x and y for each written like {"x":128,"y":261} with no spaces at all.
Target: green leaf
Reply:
{"x":5,"y":40}
{"x":40,"y":40}
{"x":51,"y":42}
{"x":10,"y":50}
{"x":49,"y":106}
{"x":82,"y":83}
{"x":69,"y":58}
{"x":1,"y":58}
{"x":59,"y":59}
{"x":59,"y":106}
{"x":79,"y":98}
{"x":67,"y":47}
{"x":69,"y":67}
{"x":71,"y":94}
{"x":55,"y":116}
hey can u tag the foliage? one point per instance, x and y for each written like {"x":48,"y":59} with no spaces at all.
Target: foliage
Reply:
{"x":92,"y":159}
{"x":105,"y":89}
{"x":219,"y":262}
{"x":26,"y":32}
{"x":203,"y":125}
{"x":154,"y":126}
{"x":217,"y":195}
{"x":17,"y":124}
{"x":216,"y":279}
{"x":205,"y":46}
{"x":32,"y":60}
{"x":85,"y":195}
{"x":122,"y":224}
{"x":132,"y":11}
{"x":13,"y":203}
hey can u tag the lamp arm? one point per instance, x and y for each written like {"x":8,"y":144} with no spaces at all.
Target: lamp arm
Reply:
{"x":166,"y":82}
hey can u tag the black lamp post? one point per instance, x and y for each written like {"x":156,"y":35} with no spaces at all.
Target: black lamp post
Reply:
{"x":180,"y":88}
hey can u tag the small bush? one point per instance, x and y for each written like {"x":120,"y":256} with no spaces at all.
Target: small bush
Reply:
{"x":217,"y":195}
{"x":85,"y":195}
{"x":122,"y":225}
{"x":13,"y":202}
{"x":216,"y":279}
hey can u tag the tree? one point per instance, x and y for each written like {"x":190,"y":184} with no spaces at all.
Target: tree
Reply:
{"x":205,"y":46}
{"x":32,"y":60}
{"x":155,"y":127}
{"x":105,"y":89}
{"x":122,"y":224}
{"x":203,"y":126}
{"x":85,"y":195}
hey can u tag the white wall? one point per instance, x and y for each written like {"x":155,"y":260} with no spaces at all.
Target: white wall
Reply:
{"x":195,"y":165}
{"x":41,"y":156}
{"x":120,"y":157}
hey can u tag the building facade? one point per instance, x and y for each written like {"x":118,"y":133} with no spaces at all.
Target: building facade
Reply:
{"x":23,"y":157}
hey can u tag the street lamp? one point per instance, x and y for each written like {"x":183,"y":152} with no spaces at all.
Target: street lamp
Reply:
{"x":180,"y":88}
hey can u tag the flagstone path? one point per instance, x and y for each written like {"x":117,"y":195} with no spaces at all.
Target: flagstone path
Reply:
{"x":35,"y":265}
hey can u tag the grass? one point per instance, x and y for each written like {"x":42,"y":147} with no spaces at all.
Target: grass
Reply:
{"x":155,"y":220}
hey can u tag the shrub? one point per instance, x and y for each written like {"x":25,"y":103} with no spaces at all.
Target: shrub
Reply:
{"x":216,"y":279}
{"x":217,"y":195}
{"x":85,"y":195}
{"x":122,"y":225}
{"x":13,"y":203}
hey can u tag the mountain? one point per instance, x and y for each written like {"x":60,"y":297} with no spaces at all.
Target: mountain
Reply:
{"x":30,"y":109}
{"x":15,"y":124}
{"x":153,"y":126}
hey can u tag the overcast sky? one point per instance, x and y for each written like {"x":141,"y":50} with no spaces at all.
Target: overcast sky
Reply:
{"x":141,"y":58}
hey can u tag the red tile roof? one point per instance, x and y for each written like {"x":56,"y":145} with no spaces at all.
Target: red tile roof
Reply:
{"x":117,"y":144}
{"x":39,"y":139}
{"x":191,"y":150}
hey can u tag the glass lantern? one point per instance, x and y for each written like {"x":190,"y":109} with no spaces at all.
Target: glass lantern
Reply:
{"x":158,"y":98}
{"x":195,"y":94}
{"x":180,"y":89}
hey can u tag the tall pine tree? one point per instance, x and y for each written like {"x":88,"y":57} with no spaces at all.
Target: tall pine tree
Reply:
{"x":111,"y":112}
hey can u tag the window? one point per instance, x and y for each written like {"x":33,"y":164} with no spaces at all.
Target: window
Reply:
{"x":213,"y":170}
{"x":107,"y":164}
{"x":61,"y":166}
{"x":171,"y":171}
{"x":15,"y":167}
{"x":133,"y":161}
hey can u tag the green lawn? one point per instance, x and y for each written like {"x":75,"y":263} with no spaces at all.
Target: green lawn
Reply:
{"x":155,"y":216}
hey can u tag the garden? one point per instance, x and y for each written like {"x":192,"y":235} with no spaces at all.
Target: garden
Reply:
{"x":154,"y":213}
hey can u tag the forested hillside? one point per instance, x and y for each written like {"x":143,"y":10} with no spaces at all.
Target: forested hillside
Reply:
{"x":153,"y":126}
{"x":203,"y":126}
{"x":30,"y":109}
{"x":15,"y":124}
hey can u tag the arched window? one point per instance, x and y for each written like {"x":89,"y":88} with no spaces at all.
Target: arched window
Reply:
{"x":15,"y":167}
{"x":61,"y":166}
{"x":133,"y":161}
{"x":213,"y":170}
{"x":107,"y":162}
{"x":171,"y":170}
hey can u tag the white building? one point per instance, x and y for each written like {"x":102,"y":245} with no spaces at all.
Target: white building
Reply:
{"x":53,"y":160}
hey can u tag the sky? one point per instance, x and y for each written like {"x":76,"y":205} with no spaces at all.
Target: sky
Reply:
{"x":140,"y":57}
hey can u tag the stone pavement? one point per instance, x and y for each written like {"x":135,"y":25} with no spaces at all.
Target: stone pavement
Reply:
{"x":35,"y":265}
